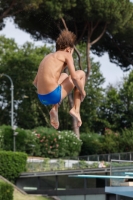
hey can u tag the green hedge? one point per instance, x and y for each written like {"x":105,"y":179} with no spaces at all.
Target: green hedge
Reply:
{"x":12,"y":164}
{"x":6,"y":191}
{"x":51,"y":143}
{"x":24,"y":140}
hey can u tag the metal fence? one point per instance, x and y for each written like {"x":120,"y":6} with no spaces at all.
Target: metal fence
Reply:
{"x":108,"y":157}
{"x":120,"y":168}
{"x":81,"y":162}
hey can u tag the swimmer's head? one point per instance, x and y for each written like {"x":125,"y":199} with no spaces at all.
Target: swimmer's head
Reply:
{"x":66,"y":40}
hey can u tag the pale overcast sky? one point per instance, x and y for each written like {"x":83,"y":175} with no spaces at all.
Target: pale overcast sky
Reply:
{"x":111,"y":72}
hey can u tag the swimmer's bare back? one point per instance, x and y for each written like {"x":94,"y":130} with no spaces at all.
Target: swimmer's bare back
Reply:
{"x":49,"y":71}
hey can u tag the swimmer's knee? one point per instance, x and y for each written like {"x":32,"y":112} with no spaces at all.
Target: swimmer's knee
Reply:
{"x":81,"y":72}
{"x":65,"y":75}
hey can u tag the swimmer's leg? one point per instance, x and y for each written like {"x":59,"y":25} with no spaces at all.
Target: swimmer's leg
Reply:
{"x":75,"y":111}
{"x":54,"y":111}
{"x":54,"y":116}
{"x":67,"y":86}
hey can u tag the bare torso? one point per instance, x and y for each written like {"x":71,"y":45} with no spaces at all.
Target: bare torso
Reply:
{"x":49,"y":72}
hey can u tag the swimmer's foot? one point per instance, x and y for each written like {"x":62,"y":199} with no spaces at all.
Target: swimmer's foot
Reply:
{"x":54,"y":118}
{"x":76,"y":115}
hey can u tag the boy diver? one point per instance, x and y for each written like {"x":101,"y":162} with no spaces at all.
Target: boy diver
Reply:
{"x":53,"y":85}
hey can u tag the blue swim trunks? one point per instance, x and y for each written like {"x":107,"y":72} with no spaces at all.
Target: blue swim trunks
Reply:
{"x":51,"y":98}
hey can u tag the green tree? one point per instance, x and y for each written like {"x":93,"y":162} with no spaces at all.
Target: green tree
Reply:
{"x":111,"y":141}
{"x":91,"y":144}
{"x":111,"y":110}
{"x":94,"y":98}
{"x":118,"y":46}
{"x":9,"y":8}
{"x":100,"y":19}
{"x":21,"y":64}
{"x":126,"y":96}
{"x":116,"y":109}
{"x":126,"y":144}
{"x":109,"y":18}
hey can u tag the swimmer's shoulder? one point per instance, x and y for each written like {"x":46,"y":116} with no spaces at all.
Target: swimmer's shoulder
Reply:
{"x":62,"y":55}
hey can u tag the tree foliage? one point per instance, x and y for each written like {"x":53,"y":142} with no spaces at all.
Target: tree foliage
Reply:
{"x":21,"y":64}
{"x":92,"y":103}
{"x":103,"y":26}
{"x":116,"y":109}
{"x":102,"y":23}
{"x":13,"y":7}
{"x":110,"y":20}
{"x":126,"y":96}
{"x":110,"y":108}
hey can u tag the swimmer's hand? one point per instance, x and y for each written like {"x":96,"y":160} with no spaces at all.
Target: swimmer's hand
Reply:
{"x":83,"y":95}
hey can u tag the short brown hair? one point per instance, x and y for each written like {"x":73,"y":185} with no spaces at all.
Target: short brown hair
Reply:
{"x":65,"y":39}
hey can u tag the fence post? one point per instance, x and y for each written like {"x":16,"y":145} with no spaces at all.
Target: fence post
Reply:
{"x":130,"y":156}
{"x":97,"y":157}
{"x":108,"y":157}
{"x":119,"y":156}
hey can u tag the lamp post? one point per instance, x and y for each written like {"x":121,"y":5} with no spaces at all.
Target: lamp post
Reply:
{"x":14,"y":138}
{"x":12,"y":107}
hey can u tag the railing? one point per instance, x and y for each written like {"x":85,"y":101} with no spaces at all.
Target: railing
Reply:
{"x":120,"y":168}
{"x":108,"y":157}
{"x":82,"y":162}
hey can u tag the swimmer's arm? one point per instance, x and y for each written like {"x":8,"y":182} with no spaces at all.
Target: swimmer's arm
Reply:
{"x":74,"y":75}
{"x":35,"y":81}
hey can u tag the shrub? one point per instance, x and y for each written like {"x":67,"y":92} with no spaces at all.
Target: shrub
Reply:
{"x":110,"y":142}
{"x":126,"y":142}
{"x":12,"y":164}
{"x":91,"y":144}
{"x":25,"y":139}
{"x":41,"y":141}
{"x":83,"y":164}
{"x":54,"y":144}
{"x":100,"y":144}
{"x":94,"y":165}
{"x":6,"y":191}
{"x":6,"y":134}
